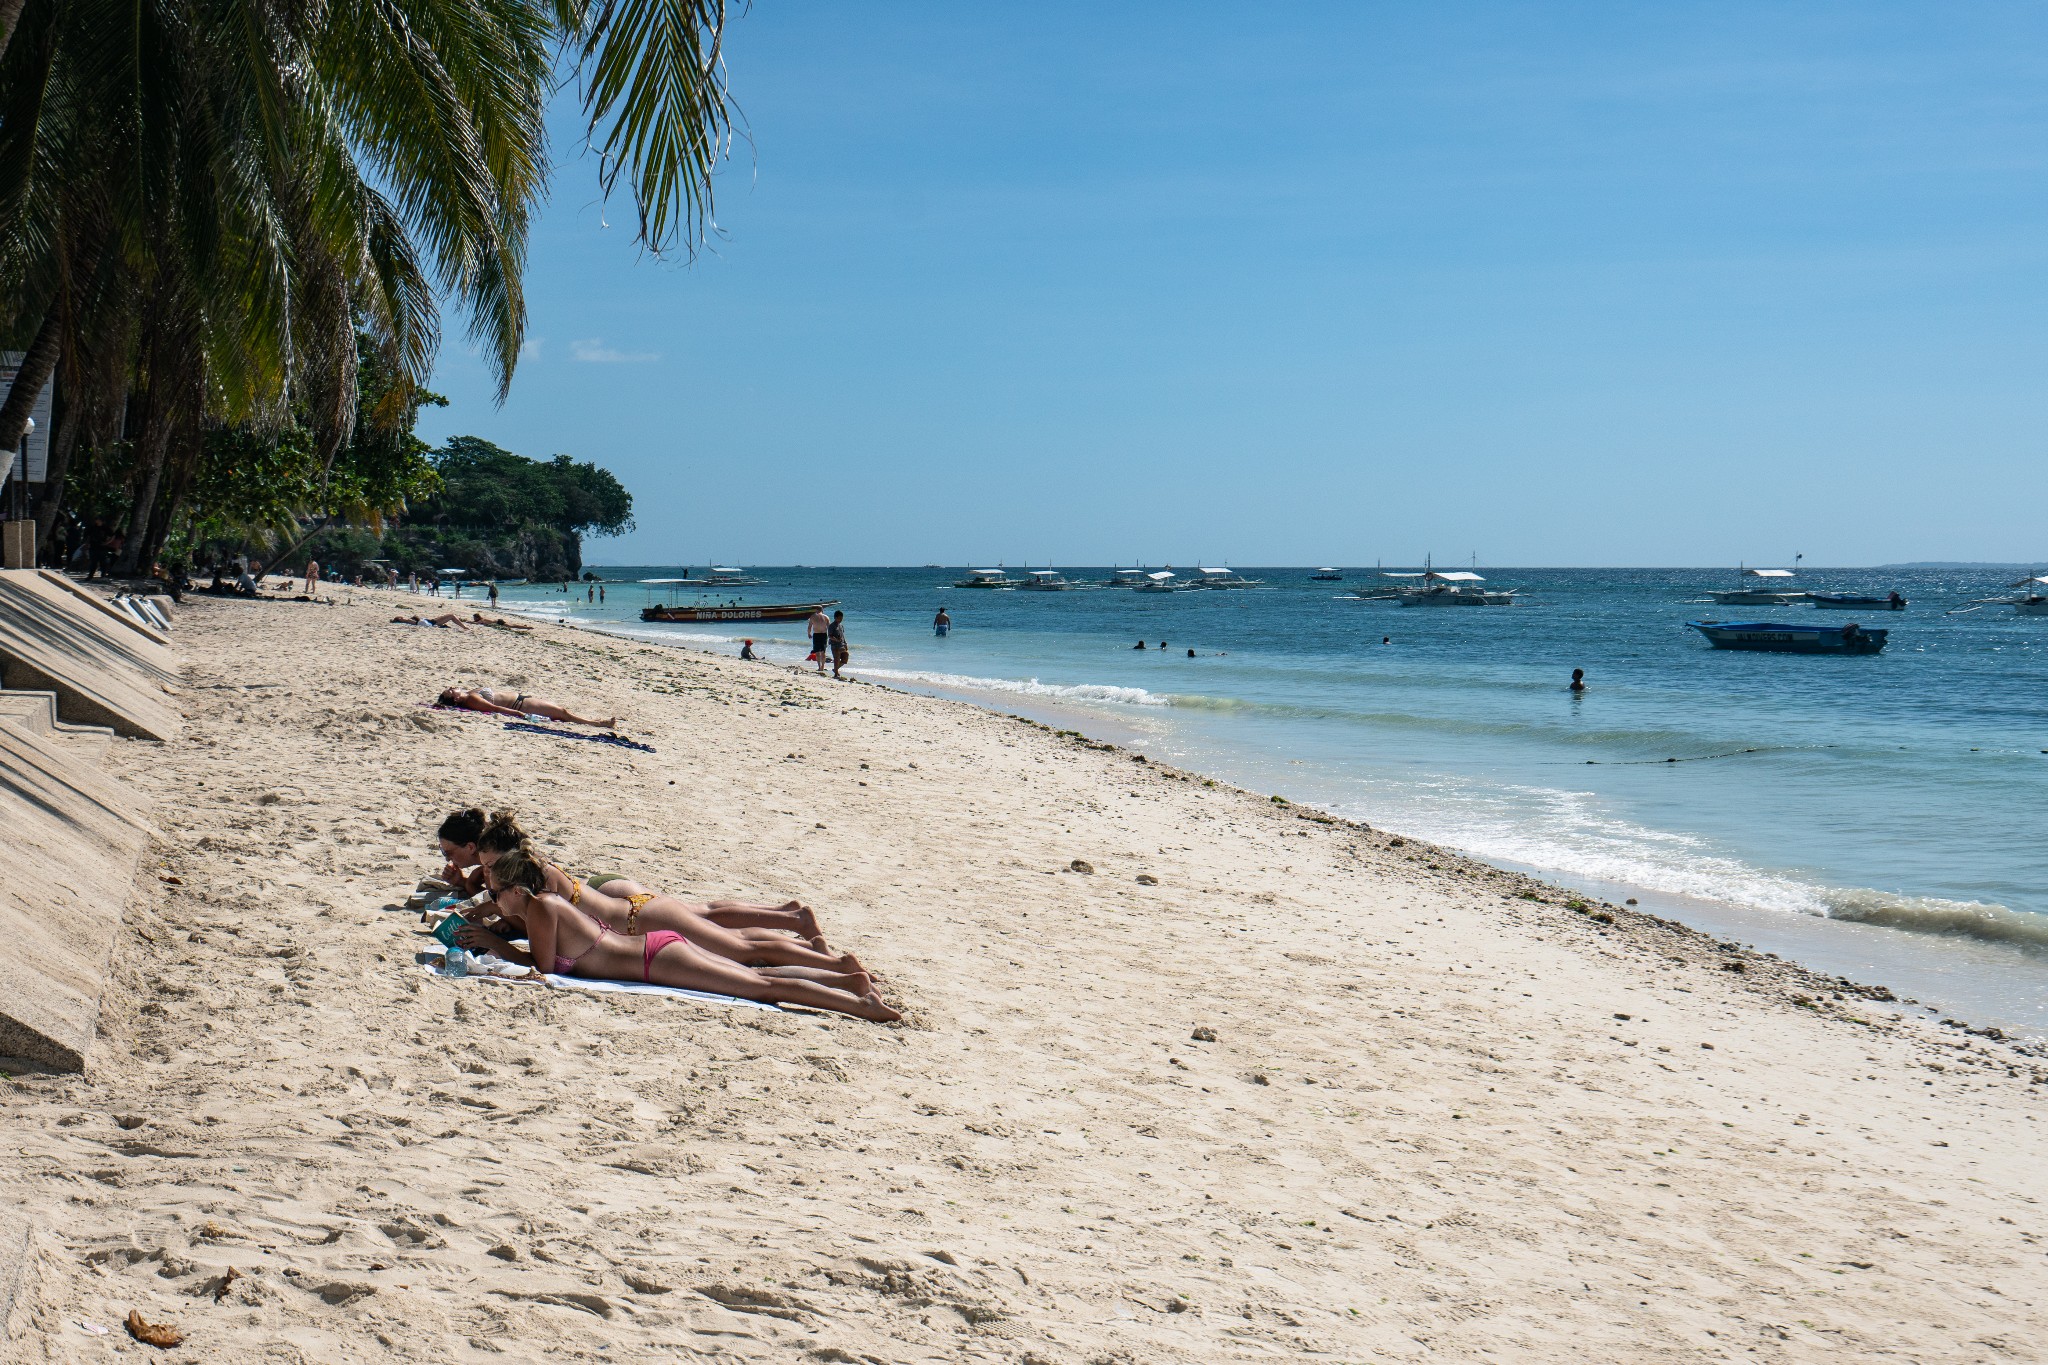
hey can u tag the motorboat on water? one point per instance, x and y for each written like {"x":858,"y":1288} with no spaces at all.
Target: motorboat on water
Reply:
{"x":1843,"y":601}
{"x":1221,"y":578}
{"x":1161,"y":581}
{"x":733,"y":611}
{"x":986,"y":578}
{"x":1124,"y":578}
{"x":712,"y":578}
{"x":1327,"y":575}
{"x":1045,"y":580}
{"x":1758,"y":588}
{"x":1776,"y":638}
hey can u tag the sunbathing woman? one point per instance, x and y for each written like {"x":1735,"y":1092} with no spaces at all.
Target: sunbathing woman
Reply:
{"x":732,"y":929}
{"x":465,"y":836}
{"x":568,"y":942}
{"x":451,"y":619}
{"x":480,"y":619}
{"x":501,"y":701}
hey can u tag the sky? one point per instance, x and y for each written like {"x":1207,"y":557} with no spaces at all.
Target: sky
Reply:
{"x":1544,"y":282}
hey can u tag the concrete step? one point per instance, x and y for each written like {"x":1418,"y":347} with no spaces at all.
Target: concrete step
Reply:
{"x":36,"y":712}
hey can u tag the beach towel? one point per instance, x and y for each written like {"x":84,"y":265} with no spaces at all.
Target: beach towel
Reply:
{"x":539,"y":725}
{"x":588,"y":737}
{"x":431,"y":964}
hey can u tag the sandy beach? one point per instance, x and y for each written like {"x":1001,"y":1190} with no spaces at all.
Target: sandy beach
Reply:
{"x":1185,"y":1073}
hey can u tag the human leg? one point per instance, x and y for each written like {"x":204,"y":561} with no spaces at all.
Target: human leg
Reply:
{"x":686,"y":966}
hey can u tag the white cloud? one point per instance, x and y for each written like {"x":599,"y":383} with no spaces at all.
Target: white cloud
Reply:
{"x":529,"y":349}
{"x":597,"y":353}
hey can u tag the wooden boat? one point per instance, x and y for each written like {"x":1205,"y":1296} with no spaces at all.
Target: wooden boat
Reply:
{"x":733,"y":612}
{"x":1776,"y":638}
{"x":1842,"y":601}
{"x":986,"y":578}
{"x":1769,"y":588}
{"x":1327,"y":575}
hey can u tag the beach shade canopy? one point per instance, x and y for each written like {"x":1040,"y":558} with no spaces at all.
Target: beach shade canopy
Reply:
{"x":1768,"y":573}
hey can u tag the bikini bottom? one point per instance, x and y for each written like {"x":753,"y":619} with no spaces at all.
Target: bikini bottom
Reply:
{"x":655,"y":942}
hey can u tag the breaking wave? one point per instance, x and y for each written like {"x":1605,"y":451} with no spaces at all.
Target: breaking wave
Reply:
{"x":1029,"y":687}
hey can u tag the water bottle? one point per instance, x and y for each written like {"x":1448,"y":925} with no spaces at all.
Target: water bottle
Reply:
{"x":456,"y":963}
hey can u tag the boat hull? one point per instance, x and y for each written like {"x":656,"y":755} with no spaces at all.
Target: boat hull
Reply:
{"x":1830,"y":601}
{"x":788,"y":612}
{"x":1772,"y":638}
{"x":1456,"y":599}
{"x":1747,"y":598}
{"x":2032,"y":606}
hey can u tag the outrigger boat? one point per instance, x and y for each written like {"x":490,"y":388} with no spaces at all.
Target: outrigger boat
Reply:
{"x":1221,"y":578}
{"x":1162,"y":581}
{"x":1776,"y":638}
{"x":1045,"y":580}
{"x":669,"y":611}
{"x":1327,"y":575}
{"x":1435,"y":587}
{"x":1761,"y":592}
{"x":2030,"y":599}
{"x":1842,"y":601}
{"x":986,"y":578}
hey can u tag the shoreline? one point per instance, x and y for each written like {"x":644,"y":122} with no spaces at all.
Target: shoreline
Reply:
{"x":1911,"y":964}
{"x":1185,"y":1073}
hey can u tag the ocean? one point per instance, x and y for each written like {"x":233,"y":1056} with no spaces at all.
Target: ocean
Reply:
{"x":1884,"y":817}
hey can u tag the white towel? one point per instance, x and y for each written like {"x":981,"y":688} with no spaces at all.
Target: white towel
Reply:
{"x":432,"y":967}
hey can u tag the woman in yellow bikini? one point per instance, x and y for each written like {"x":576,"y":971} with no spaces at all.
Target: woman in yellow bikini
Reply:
{"x":563,"y":939}
{"x":743,"y":933}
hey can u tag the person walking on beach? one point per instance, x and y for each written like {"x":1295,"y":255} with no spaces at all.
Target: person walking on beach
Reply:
{"x":312,"y":576}
{"x":836,"y":636}
{"x":494,"y":594}
{"x":820,"y":627}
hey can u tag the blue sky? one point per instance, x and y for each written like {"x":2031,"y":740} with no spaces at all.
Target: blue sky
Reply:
{"x":1551,"y":283}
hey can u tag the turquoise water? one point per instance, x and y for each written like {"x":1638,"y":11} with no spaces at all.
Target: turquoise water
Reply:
{"x":1907,"y":791}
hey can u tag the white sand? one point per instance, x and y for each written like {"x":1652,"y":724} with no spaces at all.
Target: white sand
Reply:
{"x":1438,"y":1121}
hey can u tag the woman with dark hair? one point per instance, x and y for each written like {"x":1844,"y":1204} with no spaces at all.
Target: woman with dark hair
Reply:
{"x":732,"y":929}
{"x":503,"y":701}
{"x":563,"y":940}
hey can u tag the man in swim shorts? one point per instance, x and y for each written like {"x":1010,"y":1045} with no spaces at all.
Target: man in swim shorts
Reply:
{"x":820,"y":627}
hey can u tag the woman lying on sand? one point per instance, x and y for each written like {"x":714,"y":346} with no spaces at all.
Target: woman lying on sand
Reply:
{"x":502,"y":701}
{"x":480,"y":619}
{"x":743,"y":933}
{"x":567,"y":942}
{"x":451,"y":619}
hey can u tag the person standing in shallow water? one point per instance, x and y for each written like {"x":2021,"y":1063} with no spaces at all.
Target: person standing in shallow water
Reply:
{"x":1578,"y":681}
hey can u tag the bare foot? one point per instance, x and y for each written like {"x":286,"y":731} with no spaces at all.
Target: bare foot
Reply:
{"x":873,"y":1009}
{"x":807,"y":921}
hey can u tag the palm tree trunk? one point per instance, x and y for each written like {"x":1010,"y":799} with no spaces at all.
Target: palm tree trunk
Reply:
{"x":70,"y":415}
{"x":37,"y":365}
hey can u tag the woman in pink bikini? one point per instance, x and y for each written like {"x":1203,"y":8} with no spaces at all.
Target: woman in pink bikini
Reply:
{"x":567,"y":942}
{"x":731,"y":929}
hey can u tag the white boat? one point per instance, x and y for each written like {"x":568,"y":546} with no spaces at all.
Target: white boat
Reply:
{"x":1327,"y":574}
{"x":1758,"y":588}
{"x":1125,"y":578}
{"x":1045,"y":580}
{"x":1448,"y":588}
{"x":986,"y":578}
{"x":2029,"y":597}
{"x":1220,"y":578}
{"x":1162,"y":581}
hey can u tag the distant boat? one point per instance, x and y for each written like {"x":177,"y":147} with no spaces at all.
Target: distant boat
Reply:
{"x":713,"y":578}
{"x":1775,"y":638}
{"x":1045,"y":580}
{"x":733,"y":612}
{"x":1435,"y":587}
{"x":1327,"y":575}
{"x":1758,"y":588}
{"x":2030,"y":598}
{"x":1221,"y":578}
{"x":1124,"y":578}
{"x":1842,"y":601}
{"x":1162,"y":581}
{"x":986,"y":578}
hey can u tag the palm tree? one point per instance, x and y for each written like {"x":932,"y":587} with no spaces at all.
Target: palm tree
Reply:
{"x":218,"y":155}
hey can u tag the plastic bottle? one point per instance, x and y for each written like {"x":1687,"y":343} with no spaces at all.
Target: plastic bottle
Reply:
{"x":456,"y":963}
